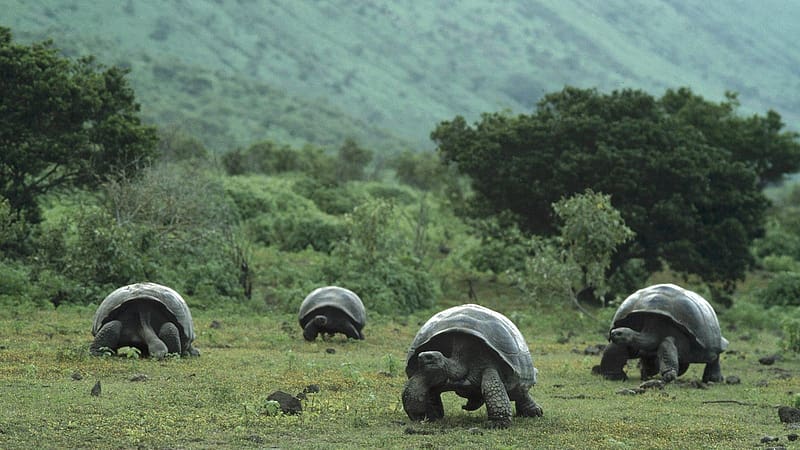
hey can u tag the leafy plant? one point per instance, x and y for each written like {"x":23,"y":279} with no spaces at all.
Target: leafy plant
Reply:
{"x":128,"y":352}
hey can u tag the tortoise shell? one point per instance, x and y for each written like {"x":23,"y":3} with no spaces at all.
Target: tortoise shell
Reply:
{"x":337,"y":297}
{"x":495,"y":330}
{"x":686,"y":309}
{"x":171,"y":300}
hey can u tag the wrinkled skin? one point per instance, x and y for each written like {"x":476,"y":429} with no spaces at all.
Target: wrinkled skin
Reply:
{"x":329,"y":320}
{"x":142,"y":324}
{"x":472,"y":371}
{"x":662,"y":348}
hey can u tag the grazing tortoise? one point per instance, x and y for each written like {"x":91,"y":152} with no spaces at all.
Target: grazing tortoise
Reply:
{"x":151,"y":317}
{"x":476,"y":352}
{"x":331,"y":310}
{"x":667,"y":328}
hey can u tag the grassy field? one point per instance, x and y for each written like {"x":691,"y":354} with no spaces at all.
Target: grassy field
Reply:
{"x":219,"y":399}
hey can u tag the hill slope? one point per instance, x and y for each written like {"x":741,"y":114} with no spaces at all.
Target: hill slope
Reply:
{"x":237,"y":71}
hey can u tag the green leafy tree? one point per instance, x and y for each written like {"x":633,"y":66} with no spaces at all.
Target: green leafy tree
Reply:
{"x":376,"y":261}
{"x":573,"y":264}
{"x":690,"y":202}
{"x":352,"y":159}
{"x":64,"y":123}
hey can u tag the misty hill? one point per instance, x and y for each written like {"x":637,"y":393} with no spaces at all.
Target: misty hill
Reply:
{"x":386,"y":72}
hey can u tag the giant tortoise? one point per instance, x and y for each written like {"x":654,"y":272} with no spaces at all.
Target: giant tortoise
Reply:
{"x":667,"y":327}
{"x":476,"y":352}
{"x":148,"y":316}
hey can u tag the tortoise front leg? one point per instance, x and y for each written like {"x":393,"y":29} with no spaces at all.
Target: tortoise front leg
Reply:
{"x":170,"y":335}
{"x":668,"y":359}
{"x":525,"y":405}
{"x":314,"y":327}
{"x":416,"y":400}
{"x":498,"y":405}
{"x":615,"y":356}
{"x":713,"y":372}
{"x":107,"y":336}
{"x":649,"y":366}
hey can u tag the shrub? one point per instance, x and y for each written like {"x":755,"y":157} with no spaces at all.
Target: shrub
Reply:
{"x":782,"y":290}
{"x":375,"y":261}
{"x":791,"y":334}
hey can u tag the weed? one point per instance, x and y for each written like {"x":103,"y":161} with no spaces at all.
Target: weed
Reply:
{"x":129,"y":352}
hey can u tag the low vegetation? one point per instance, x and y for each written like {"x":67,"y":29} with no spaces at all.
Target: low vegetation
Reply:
{"x":220,"y":399}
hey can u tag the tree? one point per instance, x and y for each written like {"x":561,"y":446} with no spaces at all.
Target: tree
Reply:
{"x":691,"y":200}
{"x":756,"y":141}
{"x":63,"y":123}
{"x":572,"y":265}
{"x":351,"y":161}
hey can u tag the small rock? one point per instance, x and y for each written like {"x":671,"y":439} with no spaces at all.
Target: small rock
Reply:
{"x":475,"y":430}
{"x":330,"y":351}
{"x":789,"y":414}
{"x":311,"y":389}
{"x":792,"y":437}
{"x":215,"y":324}
{"x":767,"y":439}
{"x":652,"y":384}
{"x":138,"y":377}
{"x":762,"y":383}
{"x":732,"y":379}
{"x":768,"y":360}
{"x":301,"y":395}
{"x":96,"y":389}
{"x":288,"y":402}
{"x":592,"y":350}
{"x":77,"y":376}
{"x":255,"y":439}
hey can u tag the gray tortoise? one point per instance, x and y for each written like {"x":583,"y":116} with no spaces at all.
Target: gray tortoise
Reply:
{"x":148,"y":316}
{"x":667,"y":327}
{"x":476,"y":352}
{"x":331,"y":310}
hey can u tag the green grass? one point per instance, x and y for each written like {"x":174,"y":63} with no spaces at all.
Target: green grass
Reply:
{"x":218,"y":400}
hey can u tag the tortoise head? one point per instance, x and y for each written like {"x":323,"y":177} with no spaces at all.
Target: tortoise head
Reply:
{"x":434,"y":366}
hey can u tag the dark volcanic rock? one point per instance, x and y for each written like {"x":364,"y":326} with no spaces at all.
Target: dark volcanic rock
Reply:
{"x":732,"y":379}
{"x":768,"y":360}
{"x":288,"y":402}
{"x":788,"y":414}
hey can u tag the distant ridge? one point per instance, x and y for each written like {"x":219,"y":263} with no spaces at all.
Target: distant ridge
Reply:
{"x":386,"y":72}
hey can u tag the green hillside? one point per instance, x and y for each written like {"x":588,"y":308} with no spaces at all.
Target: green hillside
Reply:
{"x":385,"y":72}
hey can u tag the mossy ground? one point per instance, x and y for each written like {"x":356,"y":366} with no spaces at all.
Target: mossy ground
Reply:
{"x":218,"y":400}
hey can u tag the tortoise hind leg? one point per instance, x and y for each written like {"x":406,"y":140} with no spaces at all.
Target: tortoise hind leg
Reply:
{"x":351,"y":331}
{"x":713,"y":372}
{"x":106,"y":337}
{"x":171,"y":337}
{"x":498,"y":405}
{"x":156,"y":348}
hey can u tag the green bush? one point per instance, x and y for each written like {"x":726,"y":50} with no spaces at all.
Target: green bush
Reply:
{"x":377,"y":263}
{"x":791,"y":334}
{"x":295,"y":232}
{"x":782,"y":290}
{"x":333,"y":199}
